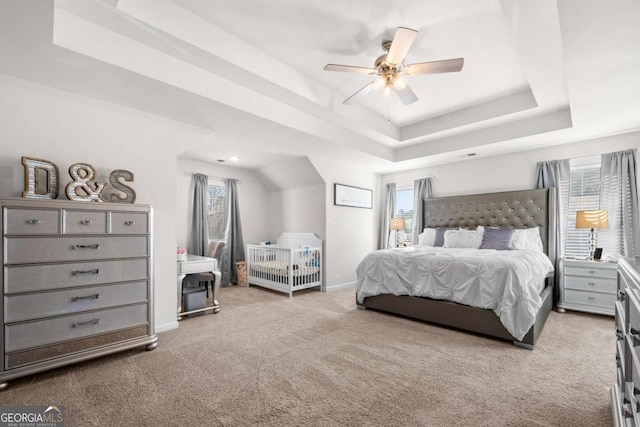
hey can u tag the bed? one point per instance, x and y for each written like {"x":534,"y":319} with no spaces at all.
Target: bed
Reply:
{"x":523,"y":210}
{"x":292,"y":264}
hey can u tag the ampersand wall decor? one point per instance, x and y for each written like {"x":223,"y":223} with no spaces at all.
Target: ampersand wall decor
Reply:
{"x":81,"y":189}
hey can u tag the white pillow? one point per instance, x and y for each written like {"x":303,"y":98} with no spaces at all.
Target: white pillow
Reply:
{"x":471,"y":239}
{"x":427,"y":237}
{"x":526,"y":238}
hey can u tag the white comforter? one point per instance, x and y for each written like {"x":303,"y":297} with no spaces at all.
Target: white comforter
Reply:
{"x":507,"y":282}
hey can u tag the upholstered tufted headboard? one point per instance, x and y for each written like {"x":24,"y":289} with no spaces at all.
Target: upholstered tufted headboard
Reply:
{"x":510,"y":209}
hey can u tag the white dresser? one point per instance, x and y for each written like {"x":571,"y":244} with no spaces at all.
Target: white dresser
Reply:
{"x":589,"y":286}
{"x":77,"y":282}
{"x":625,"y":394}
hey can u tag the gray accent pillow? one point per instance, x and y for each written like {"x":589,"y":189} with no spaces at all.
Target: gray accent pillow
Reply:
{"x":439,"y":240}
{"x":496,"y":238}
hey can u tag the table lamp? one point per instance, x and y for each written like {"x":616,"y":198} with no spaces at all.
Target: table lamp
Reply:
{"x":396,"y":225}
{"x":592,"y":220}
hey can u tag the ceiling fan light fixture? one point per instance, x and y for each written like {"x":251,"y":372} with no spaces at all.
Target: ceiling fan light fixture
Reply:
{"x":380,"y":83}
{"x":399,"y":82}
{"x":387,"y":90}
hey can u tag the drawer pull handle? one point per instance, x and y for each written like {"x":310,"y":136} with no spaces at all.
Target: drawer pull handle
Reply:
{"x":94,"y":296}
{"x":619,"y":335}
{"x":129,"y":223}
{"x":592,"y":298}
{"x":592,"y":283}
{"x":33,"y":221}
{"x":635,"y":334}
{"x":592,"y":272}
{"x":85,"y":222}
{"x":85,"y":272}
{"x":621,"y":295}
{"x":87,"y":323}
{"x":94,"y":246}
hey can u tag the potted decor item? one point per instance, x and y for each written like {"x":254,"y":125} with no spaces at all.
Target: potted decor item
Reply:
{"x":182,"y":254}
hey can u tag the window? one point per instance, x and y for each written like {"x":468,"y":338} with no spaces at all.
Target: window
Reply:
{"x":404,"y":209}
{"x":215,"y":209}
{"x":584,"y":194}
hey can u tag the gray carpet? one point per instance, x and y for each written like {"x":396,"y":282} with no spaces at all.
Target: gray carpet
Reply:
{"x":318,"y":361}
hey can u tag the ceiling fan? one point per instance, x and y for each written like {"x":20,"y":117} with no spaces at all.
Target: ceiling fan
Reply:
{"x":391,"y":70}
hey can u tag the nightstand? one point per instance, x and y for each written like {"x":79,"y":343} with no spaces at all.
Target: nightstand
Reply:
{"x":590,"y":286}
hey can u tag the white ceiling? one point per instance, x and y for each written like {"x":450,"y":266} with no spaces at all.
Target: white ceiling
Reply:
{"x":535,"y":74}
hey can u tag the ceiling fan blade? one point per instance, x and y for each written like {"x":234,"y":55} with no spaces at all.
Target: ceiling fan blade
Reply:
{"x":400,"y":45}
{"x":349,"y":69}
{"x":362,"y":92}
{"x":433,"y":67}
{"x":406,"y":95}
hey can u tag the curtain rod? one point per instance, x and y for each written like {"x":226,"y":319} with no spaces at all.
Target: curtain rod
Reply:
{"x":219,"y":178}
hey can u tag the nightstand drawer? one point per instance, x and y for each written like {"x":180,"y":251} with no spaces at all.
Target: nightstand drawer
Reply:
{"x":597,"y":284}
{"x":590,"y":298}
{"x":594,"y":270}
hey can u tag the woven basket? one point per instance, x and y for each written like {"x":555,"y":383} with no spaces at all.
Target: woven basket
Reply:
{"x":241,"y":272}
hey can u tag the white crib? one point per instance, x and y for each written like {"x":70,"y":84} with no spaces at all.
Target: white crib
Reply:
{"x":294,"y":263}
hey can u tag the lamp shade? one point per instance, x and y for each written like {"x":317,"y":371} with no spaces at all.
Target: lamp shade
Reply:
{"x":592,"y":219}
{"x":397,"y":224}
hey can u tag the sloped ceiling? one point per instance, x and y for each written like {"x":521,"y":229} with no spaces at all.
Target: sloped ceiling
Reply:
{"x":536,"y":73}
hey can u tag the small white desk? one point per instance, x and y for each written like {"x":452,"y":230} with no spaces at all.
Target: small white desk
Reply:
{"x":199,"y":264}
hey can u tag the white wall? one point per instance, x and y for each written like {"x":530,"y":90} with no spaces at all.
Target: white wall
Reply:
{"x":253,"y":198}
{"x":507,"y":172}
{"x":298,"y":210}
{"x":349,"y":235}
{"x":41,"y":122}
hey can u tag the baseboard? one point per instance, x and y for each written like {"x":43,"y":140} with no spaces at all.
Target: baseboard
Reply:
{"x":340,"y":286}
{"x":166,"y":327}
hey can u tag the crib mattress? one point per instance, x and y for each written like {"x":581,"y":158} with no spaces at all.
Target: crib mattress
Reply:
{"x":281,"y":268}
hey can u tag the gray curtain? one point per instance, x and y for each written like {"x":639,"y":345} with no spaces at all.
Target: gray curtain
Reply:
{"x":421,"y":191}
{"x":619,"y":196}
{"x":387,"y":214}
{"x":199,"y":230}
{"x":557,"y":173}
{"x":234,"y":249}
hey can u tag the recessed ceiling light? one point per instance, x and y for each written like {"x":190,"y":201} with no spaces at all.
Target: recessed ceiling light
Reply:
{"x":234,"y":158}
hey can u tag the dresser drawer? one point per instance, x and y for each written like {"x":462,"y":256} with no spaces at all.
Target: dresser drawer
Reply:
{"x":43,"y":304}
{"x":590,"y":298}
{"x":31,"y":221}
{"x":597,"y":284}
{"x":21,"y":250}
{"x":34,"y":355}
{"x":594,"y":271}
{"x":85,"y":222}
{"x":21,"y":336}
{"x":129,"y":223}
{"x":28,"y":278}
{"x":634,"y":311}
{"x":621,"y":324}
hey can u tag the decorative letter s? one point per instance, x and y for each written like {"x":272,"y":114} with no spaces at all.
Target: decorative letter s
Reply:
{"x":114,"y":179}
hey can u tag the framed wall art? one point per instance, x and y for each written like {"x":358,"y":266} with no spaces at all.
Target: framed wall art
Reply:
{"x":355,"y":197}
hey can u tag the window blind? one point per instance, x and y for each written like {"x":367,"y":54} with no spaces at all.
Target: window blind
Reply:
{"x":584,"y":194}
